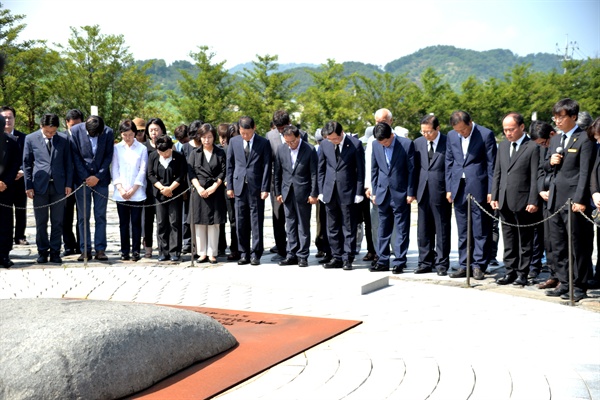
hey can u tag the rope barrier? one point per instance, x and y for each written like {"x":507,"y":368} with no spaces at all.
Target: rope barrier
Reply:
{"x":45,"y":205}
{"x":140,"y":205}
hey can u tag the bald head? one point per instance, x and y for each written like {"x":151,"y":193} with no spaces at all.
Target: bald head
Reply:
{"x":383,"y":115}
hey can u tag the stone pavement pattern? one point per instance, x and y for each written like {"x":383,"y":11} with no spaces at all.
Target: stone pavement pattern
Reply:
{"x":422,"y":337}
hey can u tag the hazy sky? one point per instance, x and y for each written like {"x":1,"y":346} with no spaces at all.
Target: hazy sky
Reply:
{"x":369,"y":31}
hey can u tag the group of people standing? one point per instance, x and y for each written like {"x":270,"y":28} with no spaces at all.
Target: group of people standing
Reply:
{"x":230,"y":170}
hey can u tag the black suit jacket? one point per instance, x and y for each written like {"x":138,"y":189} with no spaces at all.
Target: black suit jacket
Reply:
{"x":177,"y":171}
{"x":255,"y":171}
{"x":10,"y":161}
{"x":572,"y":175}
{"x":40,"y":167}
{"x":85,"y":161}
{"x":431,"y":176}
{"x":515,"y":178}
{"x":302,"y":177}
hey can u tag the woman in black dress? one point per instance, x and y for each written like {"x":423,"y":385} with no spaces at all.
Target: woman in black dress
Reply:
{"x":206,"y":169}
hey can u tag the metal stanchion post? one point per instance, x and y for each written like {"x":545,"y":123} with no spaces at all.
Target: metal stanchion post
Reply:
{"x":85,"y":254}
{"x":469,"y":221}
{"x":192,"y":227}
{"x":570,"y":239}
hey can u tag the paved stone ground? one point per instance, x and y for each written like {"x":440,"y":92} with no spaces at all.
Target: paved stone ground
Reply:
{"x":422,"y":337}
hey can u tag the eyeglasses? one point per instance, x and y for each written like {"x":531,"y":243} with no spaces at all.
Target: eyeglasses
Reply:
{"x":290,"y":142}
{"x":559,"y":118}
{"x":427,"y":133}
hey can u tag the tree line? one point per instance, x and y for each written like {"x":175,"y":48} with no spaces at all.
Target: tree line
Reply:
{"x":97,"y":69}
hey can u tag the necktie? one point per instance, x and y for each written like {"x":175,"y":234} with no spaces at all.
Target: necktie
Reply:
{"x":513,"y":150}
{"x":337,"y":152}
{"x":563,"y":140}
{"x":49,"y":145}
{"x":247,"y":149}
{"x":430,"y":152}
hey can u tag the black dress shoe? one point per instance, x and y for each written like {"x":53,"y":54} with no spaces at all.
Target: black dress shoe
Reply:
{"x":234,"y":256}
{"x":101,"y":255}
{"x":533,"y":274}
{"x":494,"y":263}
{"x":277,"y":258}
{"x":320,"y":254}
{"x":42,"y":259}
{"x":69,"y":252}
{"x":289,"y":261}
{"x":55,"y":258}
{"x":379,"y":268}
{"x":478,"y":274}
{"x":302,"y":262}
{"x":461,"y":273}
{"x":398,"y":270}
{"x":22,"y":242}
{"x":243,"y":261}
{"x":254,"y":261}
{"x":333,"y":264}
{"x":559,"y":291}
{"x":135,"y":256}
{"x":82,"y":257}
{"x":213,"y":261}
{"x":423,"y":270}
{"x":506,"y":279}
{"x":442,"y":272}
{"x":162,"y":258}
{"x":273,"y":249}
{"x":347,"y":266}
{"x":175,"y":258}
{"x":203,"y":260}
{"x":6,"y":263}
{"x":326,"y":259}
{"x":369,"y":257}
{"x":578,"y":294}
{"x":520,"y":281}
{"x":186,"y":249}
{"x":125,"y":257}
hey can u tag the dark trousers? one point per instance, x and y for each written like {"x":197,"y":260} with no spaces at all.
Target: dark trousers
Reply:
{"x":149,"y":213}
{"x":538,"y":242}
{"x":19,"y":200}
{"x":582,"y":240}
{"x":71,"y":241}
{"x":481,"y":230}
{"x":297,"y":216}
{"x":548,"y":241}
{"x":130,"y":214}
{"x":249,"y":218}
{"x":186,"y":234}
{"x":321,"y":240}
{"x":233,"y":244}
{"x":55,"y":213}
{"x":365,"y":216}
{"x":518,"y":242}
{"x":393,"y":215}
{"x":6,"y":226}
{"x":168,"y":227}
{"x":279,"y":231}
{"x":433,"y":233}
{"x":341,"y":228}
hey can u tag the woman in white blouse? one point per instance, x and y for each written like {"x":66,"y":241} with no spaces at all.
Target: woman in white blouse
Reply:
{"x":128,"y":172}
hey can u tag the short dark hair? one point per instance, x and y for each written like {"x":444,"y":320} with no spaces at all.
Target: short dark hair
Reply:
{"x":540,"y":130}
{"x":594,"y":129}
{"x":518,"y":118}
{"x":9,"y":108}
{"x":127,"y":125}
{"x":460,"y":116}
{"x":181,"y":132}
{"x":432,"y":120}
{"x":233,"y":129}
{"x":94,"y":125}
{"x":193,"y":128}
{"x":332,"y":127}
{"x":584,"y":120}
{"x":246,"y":122}
{"x":2,"y":124}
{"x":74,"y":114}
{"x":164,"y":143}
{"x":281,"y":118}
{"x":291,"y":130}
{"x":569,"y":106}
{"x":156,"y":121}
{"x":206,"y":129}
{"x":50,"y":120}
{"x":382,"y":131}
{"x":223,"y":131}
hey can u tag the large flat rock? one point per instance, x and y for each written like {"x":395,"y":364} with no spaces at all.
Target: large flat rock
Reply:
{"x":85,"y":349}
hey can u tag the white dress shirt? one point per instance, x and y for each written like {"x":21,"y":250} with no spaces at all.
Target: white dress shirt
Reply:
{"x":129,"y":169}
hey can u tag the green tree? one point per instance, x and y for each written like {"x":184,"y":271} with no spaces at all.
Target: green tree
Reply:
{"x":437,"y":97}
{"x":207,"y":95}
{"x":263,"y":90}
{"x":328,"y":99}
{"x":98,"y":70}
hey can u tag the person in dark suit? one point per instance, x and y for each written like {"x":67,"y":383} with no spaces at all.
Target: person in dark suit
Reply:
{"x":571,"y":167}
{"x":392,"y":183}
{"x":167,"y":173}
{"x":295,"y":178}
{"x":249,"y":181}
{"x":19,"y":200}
{"x":48,"y":181}
{"x":515,"y":194}
{"x":341,"y":177}
{"x":92,"y":147}
{"x":10,"y":163}
{"x":71,"y":240}
{"x":594,"y":135}
{"x":470,"y":158}
{"x":541,"y":132}
{"x":434,"y":211}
